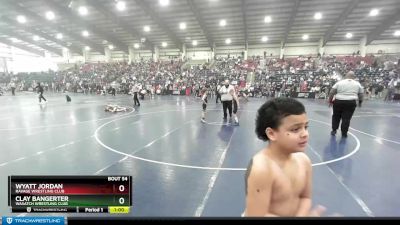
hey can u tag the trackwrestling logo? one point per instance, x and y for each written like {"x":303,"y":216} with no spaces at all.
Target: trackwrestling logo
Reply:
{"x":32,"y":220}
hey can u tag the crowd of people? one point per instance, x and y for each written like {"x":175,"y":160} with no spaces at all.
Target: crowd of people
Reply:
{"x":255,"y":77}
{"x":289,"y":77}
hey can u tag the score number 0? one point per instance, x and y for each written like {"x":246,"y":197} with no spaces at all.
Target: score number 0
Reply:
{"x":121,"y":200}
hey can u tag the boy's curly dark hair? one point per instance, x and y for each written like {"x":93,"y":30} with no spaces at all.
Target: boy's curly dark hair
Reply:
{"x":273,"y":111}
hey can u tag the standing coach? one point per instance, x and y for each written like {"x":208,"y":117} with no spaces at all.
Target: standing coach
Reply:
{"x":346,"y":92}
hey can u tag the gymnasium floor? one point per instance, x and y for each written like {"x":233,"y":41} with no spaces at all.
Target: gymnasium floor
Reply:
{"x":182,"y":167}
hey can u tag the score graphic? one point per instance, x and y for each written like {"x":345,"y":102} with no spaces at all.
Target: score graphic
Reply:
{"x":75,"y":194}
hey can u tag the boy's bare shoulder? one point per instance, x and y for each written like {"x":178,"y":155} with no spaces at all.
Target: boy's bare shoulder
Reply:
{"x":261,"y":162}
{"x":259,"y":173}
{"x":302,"y":157}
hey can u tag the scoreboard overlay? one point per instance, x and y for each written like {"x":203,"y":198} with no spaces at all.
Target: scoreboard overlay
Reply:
{"x":70,"y":194}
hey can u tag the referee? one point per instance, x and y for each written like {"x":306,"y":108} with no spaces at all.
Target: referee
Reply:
{"x":346,"y":93}
{"x":226,"y":99}
{"x":135,"y":90}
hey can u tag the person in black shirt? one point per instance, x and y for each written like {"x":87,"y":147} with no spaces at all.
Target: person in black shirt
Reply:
{"x":40,"y":90}
{"x":205,"y":102}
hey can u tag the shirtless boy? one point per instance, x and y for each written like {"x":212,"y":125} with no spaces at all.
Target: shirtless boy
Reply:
{"x":279,"y":177}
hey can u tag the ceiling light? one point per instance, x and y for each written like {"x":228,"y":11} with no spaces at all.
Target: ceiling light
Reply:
{"x":397,"y":33}
{"x":146,"y":28}
{"x":50,"y":15}
{"x":136,"y":46}
{"x":59,"y":36}
{"x":182,"y":26}
{"x":111,"y":47}
{"x":164,"y":44}
{"x":21,"y":19}
{"x":87,"y":48}
{"x":305,"y":37}
{"x":222,"y":23}
{"x":36,"y":38}
{"x":194,"y":43}
{"x":228,"y":41}
{"x":264,"y":39}
{"x":83,"y":11}
{"x":318,"y":16}
{"x":85,"y":33}
{"x":374,"y":12}
{"x":267,"y":19}
{"x":349,"y":35}
{"x":121,"y":6}
{"x":164,"y":2}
